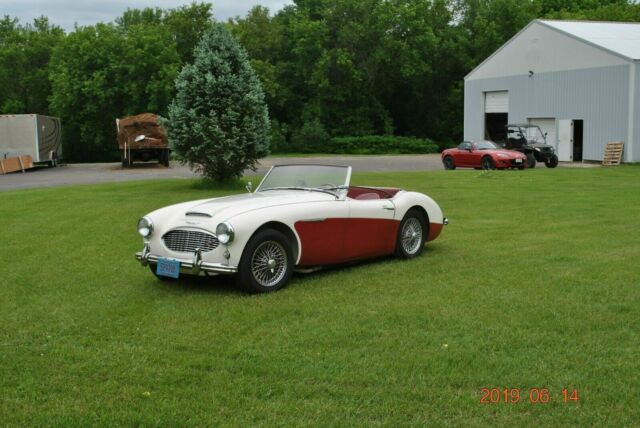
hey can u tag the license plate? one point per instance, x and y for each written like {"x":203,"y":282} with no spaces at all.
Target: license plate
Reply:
{"x":518,"y":160}
{"x":168,"y":267}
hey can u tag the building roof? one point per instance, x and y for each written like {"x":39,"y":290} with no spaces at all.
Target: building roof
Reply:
{"x":621,"y":38}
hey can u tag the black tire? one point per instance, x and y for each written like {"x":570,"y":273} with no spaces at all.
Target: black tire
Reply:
{"x":551,"y":162}
{"x":163,"y":157}
{"x":448,"y":162}
{"x":521,"y":167}
{"x":406,"y":248}
{"x":126,"y":162}
{"x":266,"y":279}
{"x":531,"y":160}
{"x":487,"y":163}
{"x":152,"y":268}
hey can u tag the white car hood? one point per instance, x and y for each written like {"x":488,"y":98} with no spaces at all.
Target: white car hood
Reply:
{"x":226,"y":207}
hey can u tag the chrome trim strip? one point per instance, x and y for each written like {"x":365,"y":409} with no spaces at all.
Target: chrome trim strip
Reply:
{"x":188,"y":264}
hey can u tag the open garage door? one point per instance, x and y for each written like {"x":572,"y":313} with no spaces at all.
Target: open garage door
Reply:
{"x":496,"y":115}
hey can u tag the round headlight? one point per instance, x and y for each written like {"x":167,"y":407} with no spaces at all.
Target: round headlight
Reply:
{"x":145,"y":227}
{"x":224,"y":232}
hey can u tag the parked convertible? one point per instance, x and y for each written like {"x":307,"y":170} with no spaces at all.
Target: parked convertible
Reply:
{"x":300,"y":216}
{"x":482,"y":154}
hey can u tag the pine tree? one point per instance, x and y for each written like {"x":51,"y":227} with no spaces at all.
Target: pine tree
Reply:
{"x":218,"y":121}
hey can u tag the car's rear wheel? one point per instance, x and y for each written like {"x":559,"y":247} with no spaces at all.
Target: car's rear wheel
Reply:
{"x":487,"y":163}
{"x":448,"y":162}
{"x":551,"y":162}
{"x":412,"y":234}
{"x":266,"y":263}
{"x":531,"y":160}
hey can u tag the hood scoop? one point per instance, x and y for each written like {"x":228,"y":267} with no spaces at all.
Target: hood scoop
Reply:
{"x":197,"y":214}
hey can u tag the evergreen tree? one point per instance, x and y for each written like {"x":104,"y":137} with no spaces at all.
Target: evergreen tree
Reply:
{"x":218,"y":121}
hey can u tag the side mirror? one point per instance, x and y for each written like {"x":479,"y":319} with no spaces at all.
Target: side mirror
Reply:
{"x":139,"y":138}
{"x":470,"y":149}
{"x":249,"y":187}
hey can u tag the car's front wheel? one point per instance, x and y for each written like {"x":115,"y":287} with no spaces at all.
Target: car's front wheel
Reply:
{"x":448,"y":162}
{"x":266,"y":263}
{"x":412,"y":234}
{"x":487,"y":163}
{"x":551,"y":161}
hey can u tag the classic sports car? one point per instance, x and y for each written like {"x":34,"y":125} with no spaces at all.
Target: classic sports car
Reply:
{"x":301,"y":216}
{"x":482,"y":154}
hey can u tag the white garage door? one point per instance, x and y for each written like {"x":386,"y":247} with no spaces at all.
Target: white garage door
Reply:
{"x":547,"y":125}
{"x":496,"y":102}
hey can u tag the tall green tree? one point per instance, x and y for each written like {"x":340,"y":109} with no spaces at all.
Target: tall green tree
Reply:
{"x":25,"y":52}
{"x":218,"y":122}
{"x":99,"y":73}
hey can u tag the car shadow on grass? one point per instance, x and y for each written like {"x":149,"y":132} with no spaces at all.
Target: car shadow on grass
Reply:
{"x":225,"y":284}
{"x":327,"y":271}
{"x":220,"y":284}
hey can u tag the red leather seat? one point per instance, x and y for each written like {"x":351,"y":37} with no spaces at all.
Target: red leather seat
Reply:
{"x":371,"y":195}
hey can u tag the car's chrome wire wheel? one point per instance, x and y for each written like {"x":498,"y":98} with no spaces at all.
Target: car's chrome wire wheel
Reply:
{"x":269,"y":263}
{"x":411,"y":235}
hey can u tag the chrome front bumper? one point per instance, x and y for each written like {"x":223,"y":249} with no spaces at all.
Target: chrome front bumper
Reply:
{"x":195,"y":265}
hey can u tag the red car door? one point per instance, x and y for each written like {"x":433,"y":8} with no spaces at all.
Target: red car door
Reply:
{"x":474,"y":157}
{"x":462,"y":155}
{"x":372,"y":229}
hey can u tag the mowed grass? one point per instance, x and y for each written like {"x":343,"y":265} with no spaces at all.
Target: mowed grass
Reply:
{"x":534,"y":284}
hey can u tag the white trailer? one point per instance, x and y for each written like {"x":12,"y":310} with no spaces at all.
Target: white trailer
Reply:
{"x":34,"y":135}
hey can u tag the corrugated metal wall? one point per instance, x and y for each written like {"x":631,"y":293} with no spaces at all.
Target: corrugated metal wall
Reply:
{"x":599,"y":96}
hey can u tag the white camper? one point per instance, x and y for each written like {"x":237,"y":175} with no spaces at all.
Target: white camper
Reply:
{"x":33,"y":135}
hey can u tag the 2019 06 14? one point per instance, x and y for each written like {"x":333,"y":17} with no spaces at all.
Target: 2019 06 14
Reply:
{"x":532,"y":396}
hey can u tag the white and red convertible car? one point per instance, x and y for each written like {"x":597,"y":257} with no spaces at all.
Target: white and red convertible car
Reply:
{"x":300,"y":216}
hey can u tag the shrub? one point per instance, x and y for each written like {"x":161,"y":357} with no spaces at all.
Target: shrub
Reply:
{"x":379,"y":144}
{"x":218,"y":121}
{"x":312,"y":137}
{"x":278,"y":141}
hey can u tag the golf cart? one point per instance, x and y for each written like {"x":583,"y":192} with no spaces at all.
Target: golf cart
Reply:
{"x":530,"y":140}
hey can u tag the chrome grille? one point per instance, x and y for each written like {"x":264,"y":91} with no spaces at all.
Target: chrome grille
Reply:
{"x":187,"y":241}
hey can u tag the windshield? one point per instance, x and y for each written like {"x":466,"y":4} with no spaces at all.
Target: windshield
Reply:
{"x":532,"y":134}
{"x":486,"y":145}
{"x":306,"y":177}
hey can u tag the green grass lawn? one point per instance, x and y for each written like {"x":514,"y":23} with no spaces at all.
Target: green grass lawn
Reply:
{"x":534,"y":284}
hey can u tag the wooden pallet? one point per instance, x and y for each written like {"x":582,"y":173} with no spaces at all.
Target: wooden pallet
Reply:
{"x":613,"y":153}
{"x":18,"y":163}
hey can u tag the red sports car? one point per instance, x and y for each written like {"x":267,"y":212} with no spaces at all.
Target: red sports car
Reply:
{"x":482,"y":154}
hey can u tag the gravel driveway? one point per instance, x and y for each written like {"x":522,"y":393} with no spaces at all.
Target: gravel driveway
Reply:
{"x":89,"y":173}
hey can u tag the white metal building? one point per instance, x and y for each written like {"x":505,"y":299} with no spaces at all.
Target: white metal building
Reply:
{"x":578,"y":80}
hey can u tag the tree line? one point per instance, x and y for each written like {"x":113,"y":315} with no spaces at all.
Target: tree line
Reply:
{"x":328,"y":68}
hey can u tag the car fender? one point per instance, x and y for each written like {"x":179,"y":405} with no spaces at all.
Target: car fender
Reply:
{"x":246,"y":224}
{"x":404,"y":201}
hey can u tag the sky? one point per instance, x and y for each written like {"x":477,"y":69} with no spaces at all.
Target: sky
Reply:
{"x":66,"y":13}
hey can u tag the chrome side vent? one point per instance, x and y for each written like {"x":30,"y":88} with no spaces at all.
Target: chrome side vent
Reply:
{"x":197,"y":214}
{"x":188,"y":241}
